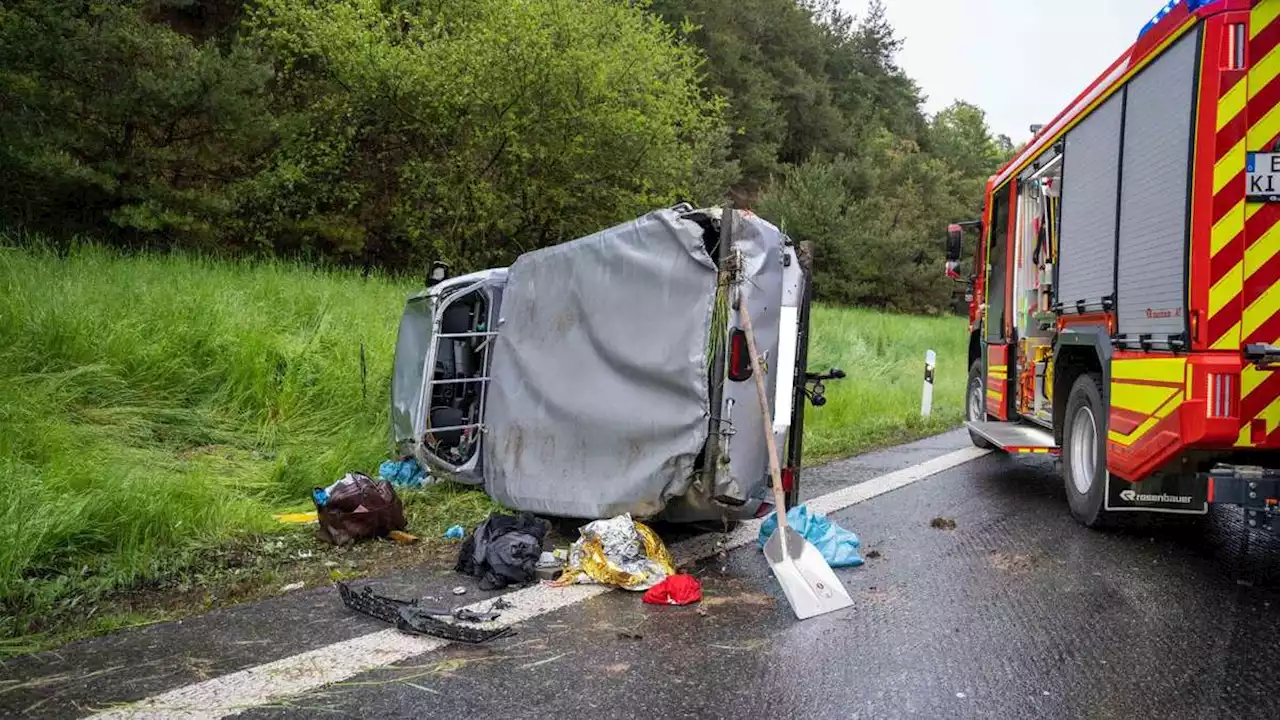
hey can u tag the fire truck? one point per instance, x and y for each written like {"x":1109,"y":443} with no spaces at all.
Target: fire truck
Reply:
{"x":1125,"y":310}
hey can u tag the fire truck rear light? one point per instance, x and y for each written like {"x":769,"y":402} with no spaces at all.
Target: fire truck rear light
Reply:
{"x":1222,"y":396}
{"x":1235,"y":47}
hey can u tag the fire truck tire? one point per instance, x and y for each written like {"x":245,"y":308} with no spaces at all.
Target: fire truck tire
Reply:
{"x":1084,"y":452}
{"x":975,"y":403}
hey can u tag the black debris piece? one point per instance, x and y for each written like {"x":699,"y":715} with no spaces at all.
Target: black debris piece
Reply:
{"x":410,"y":617}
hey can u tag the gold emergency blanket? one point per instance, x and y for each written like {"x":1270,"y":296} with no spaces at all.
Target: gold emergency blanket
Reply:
{"x":619,"y":552}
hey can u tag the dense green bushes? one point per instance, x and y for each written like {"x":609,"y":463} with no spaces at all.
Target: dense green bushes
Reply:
{"x":385,"y":133}
{"x":360,"y":130}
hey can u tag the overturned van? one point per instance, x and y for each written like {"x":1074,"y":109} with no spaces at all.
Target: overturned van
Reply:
{"x":609,"y":375}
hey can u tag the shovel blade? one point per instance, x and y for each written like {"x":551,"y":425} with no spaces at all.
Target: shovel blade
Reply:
{"x":809,"y":583}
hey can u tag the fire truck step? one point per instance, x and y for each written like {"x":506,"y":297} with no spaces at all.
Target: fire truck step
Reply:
{"x":1017,"y":438}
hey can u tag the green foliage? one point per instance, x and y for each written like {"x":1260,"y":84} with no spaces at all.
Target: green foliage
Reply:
{"x":358,"y":130}
{"x":385,"y":133}
{"x":471,"y":131}
{"x":153,"y":405}
{"x":109,"y":118}
{"x":875,"y":219}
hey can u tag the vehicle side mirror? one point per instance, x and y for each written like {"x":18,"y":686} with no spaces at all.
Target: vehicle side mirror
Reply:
{"x":955,"y":243}
{"x":439,"y":271}
{"x":955,"y":248}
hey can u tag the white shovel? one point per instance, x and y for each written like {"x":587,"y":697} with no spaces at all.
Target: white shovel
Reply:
{"x":809,"y":583}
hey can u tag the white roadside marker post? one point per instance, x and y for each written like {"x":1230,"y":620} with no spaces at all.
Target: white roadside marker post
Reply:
{"x":926,"y":401}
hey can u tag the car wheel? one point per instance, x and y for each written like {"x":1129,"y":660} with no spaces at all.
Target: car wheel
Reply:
{"x":1084,"y":452}
{"x":975,"y":403}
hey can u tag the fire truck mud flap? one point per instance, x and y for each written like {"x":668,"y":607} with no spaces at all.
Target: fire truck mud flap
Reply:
{"x":1168,"y":494}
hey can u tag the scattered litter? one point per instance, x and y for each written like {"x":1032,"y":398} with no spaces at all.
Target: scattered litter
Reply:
{"x":403,"y":538}
{"x":873,"y":555}
{"x":960,"y":695}
{"x":409,"y":617}
{"x":504,"y":550}
{"x":548,"y":559}
{"x":330,"y":564}
{"x":455,"y":533}
{"x":741,"y":600}
{"x":1244,"y":583}
{"x":675,"y":590}
{"x":942,"y":523}
{"x":404,"y":473}
{"x":543,"y":662}
{"x":619,"y":552}
{"x":293,"y":586}
{"x":357,"y":508}
{"x":750,"y":646}
{"x":501,"y":604}
{"x":305,"y":555}
{"x":298,"y":518}
{"x":630,"y":635}
{"x":839,"y":547}
{"x":459,"y":590}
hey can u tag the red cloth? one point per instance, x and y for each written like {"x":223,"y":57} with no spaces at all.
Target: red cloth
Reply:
{"x":675,"y":590}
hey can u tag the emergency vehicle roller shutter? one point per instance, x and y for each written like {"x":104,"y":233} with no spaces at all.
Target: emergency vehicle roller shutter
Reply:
{"x":1090,"y":178}
{"x":1151,"y":284}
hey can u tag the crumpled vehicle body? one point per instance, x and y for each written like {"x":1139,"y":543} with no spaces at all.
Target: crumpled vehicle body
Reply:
{"x":608,"y":375}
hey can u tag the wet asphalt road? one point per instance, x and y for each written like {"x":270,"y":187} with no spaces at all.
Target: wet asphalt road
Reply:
{"x":1017,"y":612}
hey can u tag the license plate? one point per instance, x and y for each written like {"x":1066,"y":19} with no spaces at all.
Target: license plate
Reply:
{"x":1264,"y":177}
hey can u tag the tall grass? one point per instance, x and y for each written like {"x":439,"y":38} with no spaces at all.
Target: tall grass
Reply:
{"x":879,"y":402}
{"x":154,"y":405}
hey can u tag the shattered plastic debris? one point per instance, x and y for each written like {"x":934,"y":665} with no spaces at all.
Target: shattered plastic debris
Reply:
{"x":619,"y":552}
{"x":298,"y":518}
{"x":459,"y":590}
{"x":293,"y":586}
{"x":475,"y":616}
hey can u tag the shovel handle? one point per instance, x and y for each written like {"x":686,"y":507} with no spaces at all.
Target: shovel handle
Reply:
{"x":775,"y":473}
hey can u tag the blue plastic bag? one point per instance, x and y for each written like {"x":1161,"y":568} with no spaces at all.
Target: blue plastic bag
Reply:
{"x":404,"y":473}
{"x":839,"y":547}
{"x":455,"y":533}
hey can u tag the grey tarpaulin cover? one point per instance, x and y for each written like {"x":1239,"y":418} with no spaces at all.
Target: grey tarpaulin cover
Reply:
{"x":598,"y":403}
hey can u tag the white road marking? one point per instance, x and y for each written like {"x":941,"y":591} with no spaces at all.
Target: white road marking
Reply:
{"x":298,"y":674}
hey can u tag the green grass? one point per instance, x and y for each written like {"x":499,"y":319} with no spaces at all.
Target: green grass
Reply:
{"x":156,"y":410}
{"x":157,"y":405}
{"x":878,"y":404}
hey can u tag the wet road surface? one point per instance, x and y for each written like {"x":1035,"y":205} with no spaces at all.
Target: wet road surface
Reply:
{"x":1017,"y":612}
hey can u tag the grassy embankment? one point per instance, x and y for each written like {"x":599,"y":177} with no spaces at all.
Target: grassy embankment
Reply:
{"x":156,"y":410}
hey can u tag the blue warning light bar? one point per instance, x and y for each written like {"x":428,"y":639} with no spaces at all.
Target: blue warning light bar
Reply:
{"x":1192,"y":6}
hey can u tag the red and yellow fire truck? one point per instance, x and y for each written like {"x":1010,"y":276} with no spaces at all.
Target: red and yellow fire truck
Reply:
{"x":1126,"y":291}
